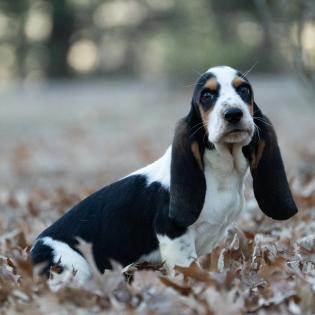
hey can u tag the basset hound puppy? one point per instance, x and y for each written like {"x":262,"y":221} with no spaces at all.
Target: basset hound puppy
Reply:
{"x":179,"y":207}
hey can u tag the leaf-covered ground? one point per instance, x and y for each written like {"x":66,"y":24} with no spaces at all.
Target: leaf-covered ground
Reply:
{"x":61,"y":143}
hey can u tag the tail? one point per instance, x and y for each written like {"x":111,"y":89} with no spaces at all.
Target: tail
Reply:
{"x":68,"y":263}
{"x":42,"y":254}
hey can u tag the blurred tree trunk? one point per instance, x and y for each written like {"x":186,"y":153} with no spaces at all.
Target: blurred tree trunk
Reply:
{"x":267,"y":44}
{"x":297,"y":13}
{"x":305,"y":14}
{"x":60,"y":40}
{"x":18,"y":9}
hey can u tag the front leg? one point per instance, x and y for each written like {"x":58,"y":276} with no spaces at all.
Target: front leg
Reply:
{"x":179,"y":250}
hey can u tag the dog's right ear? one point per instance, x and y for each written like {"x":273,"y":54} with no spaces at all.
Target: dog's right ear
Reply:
{"x":188,"y":184}
{"x":270,"y":182}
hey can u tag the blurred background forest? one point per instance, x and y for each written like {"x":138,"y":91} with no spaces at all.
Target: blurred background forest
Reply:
{"x":53,"y":39}
{"x":82,"y":72}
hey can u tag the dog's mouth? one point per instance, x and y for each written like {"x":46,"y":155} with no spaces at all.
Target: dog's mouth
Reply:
{"x":236,"y":135}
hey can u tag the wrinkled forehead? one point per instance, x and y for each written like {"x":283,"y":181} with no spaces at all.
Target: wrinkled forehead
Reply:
{"x":219,"y":78}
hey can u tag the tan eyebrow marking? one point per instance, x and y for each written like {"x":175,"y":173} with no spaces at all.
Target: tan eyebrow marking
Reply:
{"x":237,"y":81}
{"x":211,"y":84}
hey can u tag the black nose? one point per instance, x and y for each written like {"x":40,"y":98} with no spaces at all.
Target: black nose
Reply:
{"x":233,"y":115}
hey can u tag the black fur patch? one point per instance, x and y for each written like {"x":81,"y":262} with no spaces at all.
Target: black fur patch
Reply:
{"x":199,"y":89}
{"x":246,"y":97}
{"x":188,"y":183}
{"x":118,"y":220}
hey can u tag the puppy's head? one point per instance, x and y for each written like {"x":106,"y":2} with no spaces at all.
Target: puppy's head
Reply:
{"x":224,"y":98}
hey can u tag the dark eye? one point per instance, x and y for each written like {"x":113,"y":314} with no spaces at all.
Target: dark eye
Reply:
{"x":206,"y":97}
{"x":244,"y":91}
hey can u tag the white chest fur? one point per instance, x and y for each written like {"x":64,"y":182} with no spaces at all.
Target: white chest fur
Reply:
{"x":225,"y":172}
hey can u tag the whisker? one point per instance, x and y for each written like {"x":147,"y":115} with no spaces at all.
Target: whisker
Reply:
{"x":197,"y":130}
{"x":193,"y":84}
{"x":196,"y":125}
{"x":257,"y":128}
{"x":197,"y":72}
{"x":250,"y":69}
{"x":263,"y":121}
{"x":203,"y":126}
{"x":201,"y":75}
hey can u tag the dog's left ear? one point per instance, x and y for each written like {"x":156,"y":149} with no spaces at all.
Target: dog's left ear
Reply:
{"x":270,"y":182}
{"x":188,"y":183}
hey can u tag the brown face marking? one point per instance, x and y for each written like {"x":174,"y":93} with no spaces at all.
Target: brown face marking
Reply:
{"x":237,"y":81}
{"x":196,"y":152}
{"x":258,"y":154}
{"x":205,"y":115}
{"x":251,"y":108}
{"x":211,"y":84}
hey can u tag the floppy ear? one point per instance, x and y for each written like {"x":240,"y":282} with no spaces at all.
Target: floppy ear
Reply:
{"x":188,"y":184}
{"x":270,"y":182}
